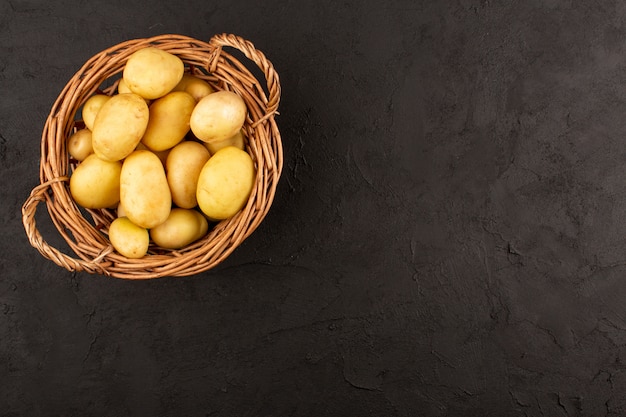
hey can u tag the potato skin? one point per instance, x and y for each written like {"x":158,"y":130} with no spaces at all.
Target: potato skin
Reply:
{"x":95,"y":183}
{"x":152,"y":72}
{"x":225,"y":183}
{"x":119,"y":126}
{"x":183,"y":165}
{"x":144,"y":192}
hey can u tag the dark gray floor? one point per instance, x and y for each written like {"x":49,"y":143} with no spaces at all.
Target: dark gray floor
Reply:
{"x":448,"y":237}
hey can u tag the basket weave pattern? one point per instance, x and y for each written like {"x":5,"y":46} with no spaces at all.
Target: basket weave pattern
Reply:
{"x":88,"y":237}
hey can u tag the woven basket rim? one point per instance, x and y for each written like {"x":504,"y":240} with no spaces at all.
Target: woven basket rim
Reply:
{"x":85,"y":231}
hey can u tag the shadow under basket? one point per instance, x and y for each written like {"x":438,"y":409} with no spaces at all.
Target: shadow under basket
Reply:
{"x":86,"y":231}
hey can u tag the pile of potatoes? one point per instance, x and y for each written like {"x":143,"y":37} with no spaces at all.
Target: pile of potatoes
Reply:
{"x":166,"y":151}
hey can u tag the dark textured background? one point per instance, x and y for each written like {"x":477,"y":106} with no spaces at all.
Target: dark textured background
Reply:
{"x":448,"y":236}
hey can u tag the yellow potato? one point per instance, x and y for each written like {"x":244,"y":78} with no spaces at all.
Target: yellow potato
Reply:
{"x":128,"y":239}
{"x":144,"y":192}
{"x":182,"y":227}
{"x":218,"y":116}
{"x":79,"y":144}
{"x":120,"y":210}
{"x":96,"y":183}
{"x":152,"y":72}
{"x":225,"y":183}
{"x":169,"y":120}
{"x":122,"y":87}
{"x":119,"y":126}
{"x":92,"y":107}
{"x":195,"y":86}
{"x":183,"y":166}
{"x":237,"y":141}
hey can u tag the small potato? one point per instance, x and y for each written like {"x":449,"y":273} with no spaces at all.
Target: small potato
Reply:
{"x":120,"y":210}
{"x":218,"y":116}
{"x":79,"y":144}
{"x":237,"y":141}
{"x":169,"y":121}
{"x":152,"y":72}
{"x":225,"y":183}
{"x":95,"y":183}
{"x":119,"y":126}
{"x":92,"y":107}
{"x":183,"y":166}
{"x":122,"y":87}
{"x":144,"y":192}
{"x":195,"y":86}
{"x":182,"y":227}
{"x":128,"y":239}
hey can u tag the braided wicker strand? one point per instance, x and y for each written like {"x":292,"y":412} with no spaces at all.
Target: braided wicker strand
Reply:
{"x":88,"y":237}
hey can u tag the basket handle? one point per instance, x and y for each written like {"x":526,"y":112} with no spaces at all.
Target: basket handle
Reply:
{"x":37,"y":195}
{"x":256,"y":56}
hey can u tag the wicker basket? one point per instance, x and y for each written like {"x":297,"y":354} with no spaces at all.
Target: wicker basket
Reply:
{"x":85,"y":231}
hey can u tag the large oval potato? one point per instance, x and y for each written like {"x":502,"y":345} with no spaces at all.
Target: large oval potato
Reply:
{"x":183,"y":166}
{"x":119,"y":126}
{"x":169,"y":121}
{"x":182,"y":227}
{"x":218,"y":116}
{"x":92,"y":107}
{"x":128,"y":239}
{"x":144,"y":192}
{"x":225,"y":183}
{"x":95,"y":183}
{"x":152,"y":72}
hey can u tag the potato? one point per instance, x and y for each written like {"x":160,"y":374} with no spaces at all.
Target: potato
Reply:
{"x":169,"y":120}
{"x":225,"y":183}
{"x":122,"y":87}
{"x":95,"y":183}
{"x":128,"y":239}
{"x":119,"y":126}
{"x":79,"y":144}
{"x":237,"y":141}
{"x":183,"y":166}
{"x":218,"y":116}
{"x":182,"y":227}
{"x":152,"y":72}
{"x":92,"y":107}
{"x":120,"y":210}
{"x":144,"y":192}
{"x":195,"y":86}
